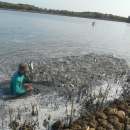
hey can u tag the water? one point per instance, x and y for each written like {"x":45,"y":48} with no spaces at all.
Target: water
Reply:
{"x":25,"y":36}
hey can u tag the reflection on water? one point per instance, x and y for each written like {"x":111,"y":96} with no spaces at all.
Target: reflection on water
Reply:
{"x":26,"y":36}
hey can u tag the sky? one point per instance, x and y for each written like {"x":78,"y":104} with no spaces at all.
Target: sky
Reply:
{"x":115,"y":7}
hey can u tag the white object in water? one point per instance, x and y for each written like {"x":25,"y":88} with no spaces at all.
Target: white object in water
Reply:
{"x":31,"y":64}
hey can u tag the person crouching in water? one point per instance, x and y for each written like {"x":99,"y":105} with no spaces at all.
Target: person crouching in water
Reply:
{"x":17,"y":80}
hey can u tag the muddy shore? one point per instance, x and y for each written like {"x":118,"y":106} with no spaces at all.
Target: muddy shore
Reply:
{"x":55,"y":76}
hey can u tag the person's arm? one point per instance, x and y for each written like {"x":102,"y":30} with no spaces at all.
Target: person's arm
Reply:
{"x":18,"y":89}
{"x":27,"y":77}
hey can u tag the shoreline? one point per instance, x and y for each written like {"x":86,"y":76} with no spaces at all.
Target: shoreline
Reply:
{"x":56,"y":14}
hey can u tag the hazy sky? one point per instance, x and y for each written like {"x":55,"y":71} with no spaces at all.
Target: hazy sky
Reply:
{"x":116,"y":7}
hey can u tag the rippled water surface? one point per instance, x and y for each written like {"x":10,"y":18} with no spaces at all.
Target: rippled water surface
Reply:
{"x":25,"y":36}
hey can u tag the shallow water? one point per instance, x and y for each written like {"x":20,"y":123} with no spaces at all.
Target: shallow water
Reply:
{"x":25,"y":36}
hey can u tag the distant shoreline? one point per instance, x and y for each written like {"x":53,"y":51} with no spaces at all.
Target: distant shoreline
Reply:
{"x":41,"y":13}
{"x":57,"y":14}
{"x":84,"y":14}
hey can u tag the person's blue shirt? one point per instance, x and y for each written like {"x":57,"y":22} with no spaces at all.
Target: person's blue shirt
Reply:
{"x":16,"y":84}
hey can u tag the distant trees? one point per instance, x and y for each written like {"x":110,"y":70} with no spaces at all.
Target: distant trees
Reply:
{"x":6,"y":5}
{"x":128,"y":20}
{"x":96,"y":15}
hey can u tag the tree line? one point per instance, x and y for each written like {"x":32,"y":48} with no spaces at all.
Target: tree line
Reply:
{"x":94,"y":15}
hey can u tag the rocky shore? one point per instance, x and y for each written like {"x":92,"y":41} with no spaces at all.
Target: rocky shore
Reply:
{"x":114,"y":117}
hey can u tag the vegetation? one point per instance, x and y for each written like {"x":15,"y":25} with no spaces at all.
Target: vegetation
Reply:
{"x":128,"y":19}
{"x":32,"y":8}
